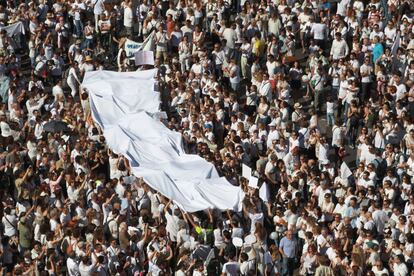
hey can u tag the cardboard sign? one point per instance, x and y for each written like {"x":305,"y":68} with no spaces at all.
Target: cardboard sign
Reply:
{"x":246,"y":171}
{"x":144,"y":58}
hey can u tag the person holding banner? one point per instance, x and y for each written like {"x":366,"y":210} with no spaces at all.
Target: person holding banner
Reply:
{"x":178,"y":128}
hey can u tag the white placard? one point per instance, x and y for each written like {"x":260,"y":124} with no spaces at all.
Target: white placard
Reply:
{"x":246,"y":171}
{"x":345,"y":171}
{"x":144,"y":58}
{"x":253,"y":181}
{"x":264,"y":192}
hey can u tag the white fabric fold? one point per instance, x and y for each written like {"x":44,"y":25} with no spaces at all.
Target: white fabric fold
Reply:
{"x":126,"y":106}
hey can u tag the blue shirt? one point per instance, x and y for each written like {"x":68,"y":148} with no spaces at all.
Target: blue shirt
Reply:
{"x":351,"y":212}
{"x":288,"y":247}
{"x":377,"y":52}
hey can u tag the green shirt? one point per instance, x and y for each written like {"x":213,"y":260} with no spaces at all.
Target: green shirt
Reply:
{"x":25,"y":235}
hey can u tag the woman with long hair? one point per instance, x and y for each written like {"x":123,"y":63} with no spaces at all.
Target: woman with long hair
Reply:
{"x":309,"y":261}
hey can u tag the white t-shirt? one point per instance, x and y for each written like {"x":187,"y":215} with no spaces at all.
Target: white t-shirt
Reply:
{"x":400,"y":269}
{"x":366,"y":69}
{"x":230,"y":36}
{"x":161,"y":39}
{"x":258,"y":217}
{"x":172,"y":226}
{"x":329,"y":107}
{"x":236,"y":78}
{"x":128,"y":17}
{"x":86,"y":270}
{"x":72,"y":267}
{"x":10,"y":224}
{"x":231,"y":268}
{"x":319,"y":31}
{"x":98,"y":7}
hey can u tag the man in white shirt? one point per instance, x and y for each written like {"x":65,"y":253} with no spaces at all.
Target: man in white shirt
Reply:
{"x":376,"y":32}
{"x":339,"y":47}
{"x":128,"y":18}
{"x":390,"y":33}
{"x":98,"y":9}
{"x":230,"y":35}
{"x":380,"y":217}
{"x":342,"y":8}
{"x":9,"y":221}
{"x":72,"y":266}
{"x":337,"y":135}
{"x":57,"y":90}
{"x":368,"y":156}
{"x":318,"y":83}
{"x":274,"y":135}
{"x":232,"y":267}
{"x":366,"y":70}
{"x":401,"y":92}
{"x":78,"y":7}
{"x":399,"y":267}
{"x":219,"y":58}
{"x":265,"y":88}
{"x":234,"y":74}
{"x":161,"y":42}
{"x":365,"y":181}
{"x":171,"y":216}
{"x":319,"y":31}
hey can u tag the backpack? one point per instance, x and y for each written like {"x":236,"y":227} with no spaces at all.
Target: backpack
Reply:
{"x":66,"y":246}
{"x":397,"y":159}
{"x":65,"y":79}
{"x":107,"y":230}
{"x":381,"y":168}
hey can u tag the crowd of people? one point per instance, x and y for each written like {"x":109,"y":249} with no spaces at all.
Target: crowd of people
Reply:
{"x":315,"y":96}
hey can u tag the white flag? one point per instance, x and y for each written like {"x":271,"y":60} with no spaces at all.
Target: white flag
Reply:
{"x":149,"y":43}
{"x":345,"y":171}
{"x":396,"y":44}
{"x":264,"y":192}
{"x":246,"y":171}
{"x":131,"y":47}
{"x":253,"y":181}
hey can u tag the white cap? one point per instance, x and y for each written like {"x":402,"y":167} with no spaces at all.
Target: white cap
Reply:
{"x":249,"y":240}
{"x":237,"y":242}
{"x":5,"y":129}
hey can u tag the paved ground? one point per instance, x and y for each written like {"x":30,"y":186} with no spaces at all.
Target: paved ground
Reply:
{"x":322,"y":122}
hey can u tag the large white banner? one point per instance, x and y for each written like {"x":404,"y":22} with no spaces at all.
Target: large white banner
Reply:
{"x":126,"y":107}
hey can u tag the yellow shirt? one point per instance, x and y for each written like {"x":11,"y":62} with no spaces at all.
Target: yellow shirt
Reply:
{"x":259,"y":47}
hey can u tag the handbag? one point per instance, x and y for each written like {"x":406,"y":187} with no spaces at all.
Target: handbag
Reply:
{"x":302,"y":270}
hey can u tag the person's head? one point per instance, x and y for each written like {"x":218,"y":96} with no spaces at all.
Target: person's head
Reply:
{"x":399,"y":259}
{"x":312,"y":249}
{"x":338,"y":36}
{"x":289,"y":234}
